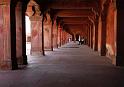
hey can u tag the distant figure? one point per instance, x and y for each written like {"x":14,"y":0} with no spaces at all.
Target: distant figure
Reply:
{"x":82,"y":41}
{"x":79,"y":40}
{"x":69,"y":39}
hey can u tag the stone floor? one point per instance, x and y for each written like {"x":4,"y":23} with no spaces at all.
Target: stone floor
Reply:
{"x":71,"y":65}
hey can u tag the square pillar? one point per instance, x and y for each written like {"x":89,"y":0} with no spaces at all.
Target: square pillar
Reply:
{"x":120,"y":34}
{"x":59,"y":36}
{"x":103,"y":36}
{"x":88,"y":35}
{"x":96,"y":34}
{"x":36,"y":35}
{"x":55,"y":37}
{"x":7,"y":61}
{"x":91,"y":36}
{"x":19,"y":44}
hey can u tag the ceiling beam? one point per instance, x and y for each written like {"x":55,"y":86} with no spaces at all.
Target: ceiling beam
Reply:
{"x":73,"y":5}
{"x":74,"y":13}
{"x":75,"y":20}
{"x":76,"y":26}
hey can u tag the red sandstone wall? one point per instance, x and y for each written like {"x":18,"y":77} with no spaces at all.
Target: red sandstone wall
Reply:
{"x":59,"y":36}
{"x":54,"y":34}
{"x":48,"y":32}
{"x":19,"y":33}
{"x":110,"y":39}
{"x":99,"y":34}
{"x":36,"y":34}
{"x":93,"y":36}
{"x":1,"y":36}
{"x":62,"y":37}
{"x":47,"y":36}
{"x":5,"y":51}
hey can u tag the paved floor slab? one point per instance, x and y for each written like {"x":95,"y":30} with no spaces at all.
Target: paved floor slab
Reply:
{"x":72,"y":65}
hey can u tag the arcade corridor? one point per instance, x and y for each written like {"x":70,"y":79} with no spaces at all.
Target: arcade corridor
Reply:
{"x":53,"y":23}
{"x":71,"y":65}
{"x":39,"y":43}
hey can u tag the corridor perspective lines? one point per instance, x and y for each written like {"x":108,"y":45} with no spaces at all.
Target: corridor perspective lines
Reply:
{"x":71,"y":65}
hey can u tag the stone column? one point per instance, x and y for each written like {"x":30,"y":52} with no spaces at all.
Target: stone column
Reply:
{"x":7,"y":45}
{"x":59,"y":36}
{"x":120,"y":34}
{"x":91,"y":36}
{"x":19,"y":44}
{"x":88,"y":35}
{"x":52,"y":36}
{"x":63,"y":37}
{"x":103,"y":36}
{"x":43,"y":51}
{"x":55,"y":37}
{"x":48,"y":32}
{"x":36,"y":35}
{"x":74,"y":38}
{"x":24,"y":36}
{"x":13,"y":37}
{"x":96,"y":34}
{"x":86,"y":39}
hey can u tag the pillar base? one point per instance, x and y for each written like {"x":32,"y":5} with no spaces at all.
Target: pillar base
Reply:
{"x":37,"y":53}
{"x":95,"y":48}
{"x":5,"y":65}
{"x":20,"y":60}
{"x":119,"y":60}
{"x":57,"y":45}
{"x":102,"y":53}
{"x":113,"y":58}
{"x":48,"y":50}
{"x":25,"y":61}
{"x":14,"y":64}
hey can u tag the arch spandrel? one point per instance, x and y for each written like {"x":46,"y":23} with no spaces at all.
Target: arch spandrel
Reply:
{"x":33,"y":9}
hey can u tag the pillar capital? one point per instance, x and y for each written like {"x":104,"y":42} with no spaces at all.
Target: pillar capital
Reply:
{"x":47,"y":19}
{"x":4,"y":3}
{"x":97,"y":19}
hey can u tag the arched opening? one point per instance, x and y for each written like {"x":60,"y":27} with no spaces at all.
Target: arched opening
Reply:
{"x":21,"y":35}
{"x":28,"y":35}
{"x":34,"y":28}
